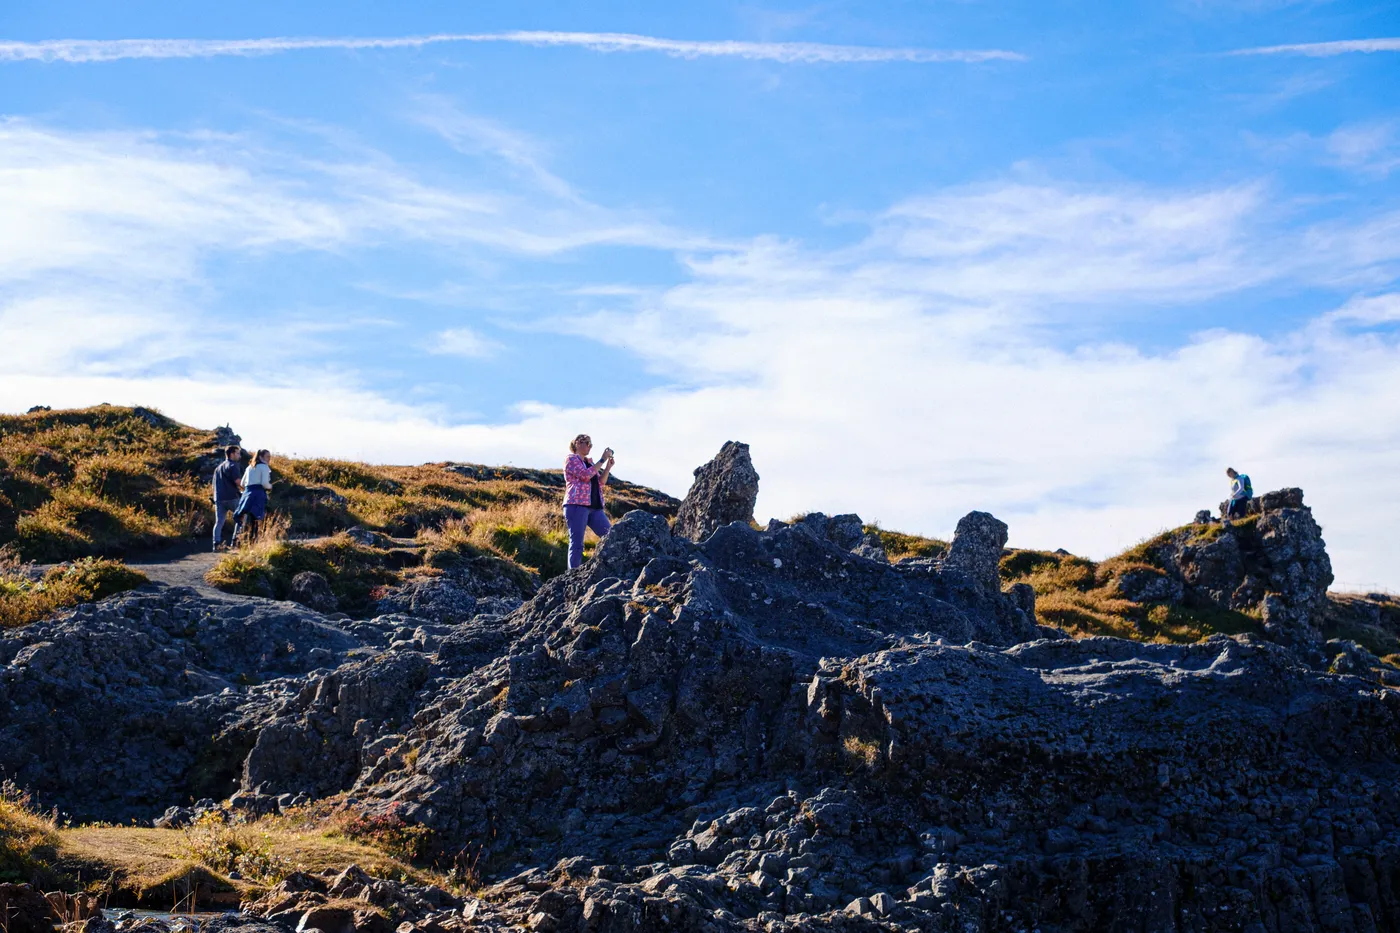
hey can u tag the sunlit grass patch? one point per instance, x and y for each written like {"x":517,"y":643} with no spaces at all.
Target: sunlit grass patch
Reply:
{"x":1083,"y":597}
{"x":268,"y":566}
{"x":28,"y":839}
{"x":899,"y":546}
{"x":529,"y":532}
{"x":24,"y":600}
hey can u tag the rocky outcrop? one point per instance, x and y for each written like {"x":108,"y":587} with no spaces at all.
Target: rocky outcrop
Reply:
{"x":1273,"y":561}
{"x":122,"y":707}
{"x":25,"y":910}
{"x":724,"y":491}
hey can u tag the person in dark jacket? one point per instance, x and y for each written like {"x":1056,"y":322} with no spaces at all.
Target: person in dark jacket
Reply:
{"x":227,"y":477}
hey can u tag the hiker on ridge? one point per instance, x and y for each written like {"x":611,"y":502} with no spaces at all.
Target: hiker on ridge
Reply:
{"x":253,"y":506}
{"x":583,"y":495}
{"x":1241,"y":491}
{"x":226,"y":489}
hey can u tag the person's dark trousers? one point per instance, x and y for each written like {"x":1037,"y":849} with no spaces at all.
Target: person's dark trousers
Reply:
{"x":579,"y":519}
{"x":1238,"y":508}
{"x":246,"y":530}
{"x":221,"y":508}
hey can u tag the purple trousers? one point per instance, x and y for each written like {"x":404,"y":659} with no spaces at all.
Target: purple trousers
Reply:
{"x":580,"y":518}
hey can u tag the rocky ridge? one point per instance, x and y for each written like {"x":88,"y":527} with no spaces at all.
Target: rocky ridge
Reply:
{"x":770,"y":729}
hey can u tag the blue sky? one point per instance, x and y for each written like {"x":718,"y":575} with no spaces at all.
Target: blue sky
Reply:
{"x":1060,"y":261}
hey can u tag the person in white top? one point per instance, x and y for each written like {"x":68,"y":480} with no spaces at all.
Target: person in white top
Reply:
{"x":252,"y":507}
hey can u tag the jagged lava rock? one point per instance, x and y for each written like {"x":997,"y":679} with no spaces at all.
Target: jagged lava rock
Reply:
{"x":768,"y":730}
{"x":724,"y":491}
{"x":118,"y":708}
{"x":1273,"y":560}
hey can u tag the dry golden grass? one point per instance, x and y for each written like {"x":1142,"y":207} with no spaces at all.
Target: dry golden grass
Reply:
{"x":27,"y":839}
{"x":268,"y":566}
{"x":23,"y":600}
{"x":136,"y":859}
{"x":861,"y":753}
{"x":900,"y":546}
{"x":530,"y":532}
{"x":1082,"y":597}
{"x":96,"y":482}
{"x":147,"y":862}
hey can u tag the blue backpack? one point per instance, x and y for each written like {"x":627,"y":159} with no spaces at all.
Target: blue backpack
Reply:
{"x":1246,"y":486}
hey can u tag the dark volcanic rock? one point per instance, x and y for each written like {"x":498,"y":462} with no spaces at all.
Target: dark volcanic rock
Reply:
{"x":724,"y":491}
{"x":312,"y":591}
{"x":976,"y":551}
{"x":24,"y":909}
{"x":109,"y":708}
{"x":765,"y":730}
{"x":1274,"y":560}
{"x":469,"y":587}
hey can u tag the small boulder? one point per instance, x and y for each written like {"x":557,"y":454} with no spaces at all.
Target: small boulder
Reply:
{"x":314,"y":592}
{"x":871,"y":548}
{"x":845,"y":531}
{"x":1144,"y":585}
{"x":724,"y":491}
{"x":367,"y":538}
{"x":174,"y":818}
{"x":25,"y":910}
{"x":1288,"y":498}
{"x":328,"y":920}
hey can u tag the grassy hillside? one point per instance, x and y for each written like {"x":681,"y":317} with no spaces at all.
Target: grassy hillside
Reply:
{"x":107,"y":481}
{"x":98,"y":482}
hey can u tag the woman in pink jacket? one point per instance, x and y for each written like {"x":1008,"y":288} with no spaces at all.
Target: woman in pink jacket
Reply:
{"x":583,"y":495}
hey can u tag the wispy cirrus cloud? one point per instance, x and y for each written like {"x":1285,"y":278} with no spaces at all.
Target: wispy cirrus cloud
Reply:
{"x":109,"y":50}
{"x":1326,"y":49}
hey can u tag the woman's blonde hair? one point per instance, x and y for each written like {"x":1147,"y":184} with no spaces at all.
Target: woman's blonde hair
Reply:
{"x":573,"y":444}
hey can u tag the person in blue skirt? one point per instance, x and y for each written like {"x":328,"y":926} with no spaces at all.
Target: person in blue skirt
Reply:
{"x":252,"y":507}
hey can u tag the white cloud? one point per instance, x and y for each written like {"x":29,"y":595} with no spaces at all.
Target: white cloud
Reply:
{"x":107,"y":50}
{"x":1369,"y":148}
{"x":464,"y":342}
{"x":1326,"y":49}
{"x":1379,"y":309}
{"x":133,"y":205}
